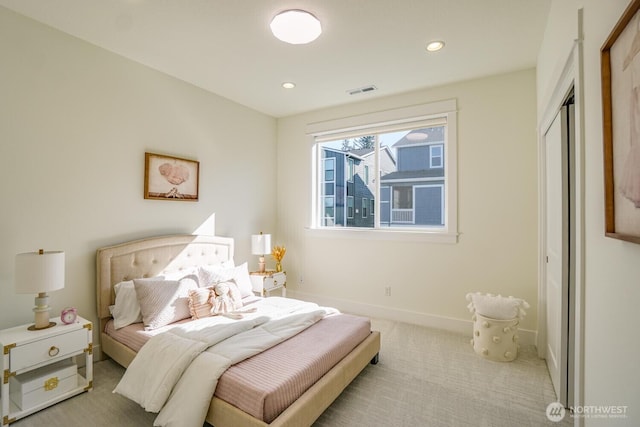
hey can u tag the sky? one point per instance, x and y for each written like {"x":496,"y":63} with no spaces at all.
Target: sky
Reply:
{"x":385,"y":139}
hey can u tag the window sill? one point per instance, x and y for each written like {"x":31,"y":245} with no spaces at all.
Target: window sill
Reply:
{"x":382,"y":234}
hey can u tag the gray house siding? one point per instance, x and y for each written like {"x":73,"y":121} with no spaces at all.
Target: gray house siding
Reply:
{"x":428,"y":204}
{"x":360,"y":191}
{"x":413,"y":158}
{"x":385,"y":205}
{"x":339,"y":191}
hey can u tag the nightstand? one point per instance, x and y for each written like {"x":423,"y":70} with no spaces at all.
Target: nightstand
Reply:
{"x":38,"y":366}
{"x":263,"y":283}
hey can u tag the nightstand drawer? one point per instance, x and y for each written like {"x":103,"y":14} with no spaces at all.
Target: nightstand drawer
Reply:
{"x":48,"y":349}
{"x":275,"y":281}
{"x":37,"y":386}
{"x":264,"y":282}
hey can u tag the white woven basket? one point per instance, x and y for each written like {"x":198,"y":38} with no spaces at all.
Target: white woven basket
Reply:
{"x":495,"y":339}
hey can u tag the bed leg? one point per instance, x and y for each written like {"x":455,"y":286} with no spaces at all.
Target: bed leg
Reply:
{"x":375,"y":359}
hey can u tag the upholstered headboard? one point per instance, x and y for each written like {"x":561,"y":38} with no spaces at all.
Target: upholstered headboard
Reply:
{"x":152,"y":257}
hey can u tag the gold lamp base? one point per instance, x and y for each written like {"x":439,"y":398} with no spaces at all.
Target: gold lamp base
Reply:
{"x":34,"y":328}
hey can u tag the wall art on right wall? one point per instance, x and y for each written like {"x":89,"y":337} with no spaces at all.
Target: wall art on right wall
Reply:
{"x":620,"y":67}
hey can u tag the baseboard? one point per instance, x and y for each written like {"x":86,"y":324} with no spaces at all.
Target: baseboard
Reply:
{"x":460,"y":326}
{"x":97,"y":354}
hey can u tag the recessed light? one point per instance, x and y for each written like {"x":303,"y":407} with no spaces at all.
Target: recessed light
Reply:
{"x":288,"y":85}
{"x":435,"y":45}
{"x":296,"y":26}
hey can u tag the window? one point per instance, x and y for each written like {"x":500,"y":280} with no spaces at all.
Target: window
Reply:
{"x":435,"y":156}
{"x":329,"y":190}
{"x":350,"y":207}
{"x":411,"y":155}
{"x":329,"y":212}
{"x":329,"y":170}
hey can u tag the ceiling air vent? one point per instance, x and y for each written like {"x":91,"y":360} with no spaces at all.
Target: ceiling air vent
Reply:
{"x":364,"y":89}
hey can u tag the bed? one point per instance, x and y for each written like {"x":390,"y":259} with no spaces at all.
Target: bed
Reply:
{"x":165,"y":255}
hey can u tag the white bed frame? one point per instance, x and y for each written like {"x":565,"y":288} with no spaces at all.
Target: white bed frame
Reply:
{"x":157,"y":255}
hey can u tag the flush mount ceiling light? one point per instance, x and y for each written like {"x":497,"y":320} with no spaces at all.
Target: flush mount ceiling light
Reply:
{"x":417,"y":136}
{"x":296,"y":26}
{"x":435,"y":45}
{"x":288,"y":85}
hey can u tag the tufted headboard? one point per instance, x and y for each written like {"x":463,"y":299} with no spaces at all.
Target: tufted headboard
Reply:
{"x":152,"y":257}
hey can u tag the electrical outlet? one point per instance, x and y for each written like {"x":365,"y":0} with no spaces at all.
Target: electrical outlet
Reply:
{"x":387,"y":291}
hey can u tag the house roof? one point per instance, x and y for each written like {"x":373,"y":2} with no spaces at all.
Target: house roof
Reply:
{"x":422,"y":136}
{"x":362,"y":152}
{"x":410,"y":175}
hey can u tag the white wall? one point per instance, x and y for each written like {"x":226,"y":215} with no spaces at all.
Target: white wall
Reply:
{"x":497,"y":214}
{"x":75,"y":122}
{"x":612,"y":270}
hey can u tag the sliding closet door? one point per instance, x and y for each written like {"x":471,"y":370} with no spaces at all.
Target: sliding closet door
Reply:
{"x":557,"y":238}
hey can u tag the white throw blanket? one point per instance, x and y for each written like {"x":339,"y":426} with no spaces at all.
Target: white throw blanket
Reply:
{"x":176,"y":372}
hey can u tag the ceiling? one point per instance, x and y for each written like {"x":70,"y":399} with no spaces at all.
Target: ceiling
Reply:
{"x":226,"y":47}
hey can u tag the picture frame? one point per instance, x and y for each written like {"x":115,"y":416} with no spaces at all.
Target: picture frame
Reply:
{"x":170,"y":178}
{"x":620,"y":74}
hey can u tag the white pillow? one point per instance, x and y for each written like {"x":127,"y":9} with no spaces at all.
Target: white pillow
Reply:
{"x":164,"y":301}
{"x":179,"y":274}
{"x":126,"y":309}
{"x":210,"y":275}
{"x":497,"y":307}
{"x":243,"y":281}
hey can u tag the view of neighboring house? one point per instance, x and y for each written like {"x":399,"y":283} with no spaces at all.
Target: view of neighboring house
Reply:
{"x":349,"y":185}
{"x":413,"y":194}
{"x":412,"y":183}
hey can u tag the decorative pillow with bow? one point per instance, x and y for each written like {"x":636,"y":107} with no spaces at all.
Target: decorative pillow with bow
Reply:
{"x":202,"y":300}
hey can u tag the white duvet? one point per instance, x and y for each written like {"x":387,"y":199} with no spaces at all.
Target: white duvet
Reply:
{"x":175,"y":373}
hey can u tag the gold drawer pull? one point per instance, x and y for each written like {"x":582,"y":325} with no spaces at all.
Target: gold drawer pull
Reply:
{"x":53,"y":351}
{"x":51,"y":384}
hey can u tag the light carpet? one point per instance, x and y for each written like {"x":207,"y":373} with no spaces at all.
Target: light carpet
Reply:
{"x":425,"y":377}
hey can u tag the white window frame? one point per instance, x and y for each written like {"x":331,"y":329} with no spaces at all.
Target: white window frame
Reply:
{"x":365,"y":207}
{"x":387,"y":121}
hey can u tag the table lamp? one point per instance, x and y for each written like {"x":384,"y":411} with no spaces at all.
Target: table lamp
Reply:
{"x":260,"y":245}
{"x":38,"y":273}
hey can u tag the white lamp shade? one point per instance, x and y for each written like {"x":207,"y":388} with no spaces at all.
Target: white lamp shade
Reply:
{"x":260,"y":244}
{"x":39,"y":272}
{"x":296,"y":27}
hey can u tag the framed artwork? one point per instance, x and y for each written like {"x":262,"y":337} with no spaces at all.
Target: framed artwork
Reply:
{"x":620,"y":67}
{"x":170,"y":178}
